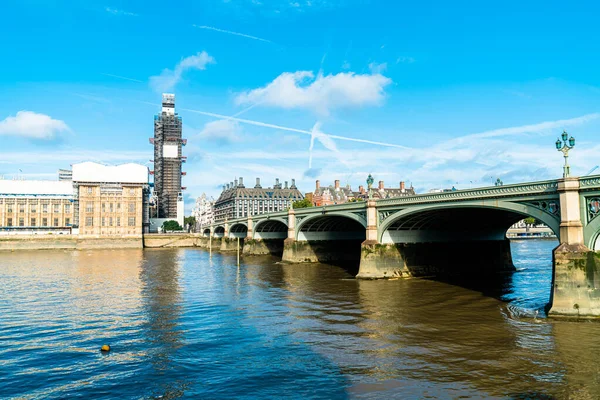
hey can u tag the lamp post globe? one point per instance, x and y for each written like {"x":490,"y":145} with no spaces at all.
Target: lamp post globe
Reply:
{"x":564,"y":146}
{"x":370,"y":181}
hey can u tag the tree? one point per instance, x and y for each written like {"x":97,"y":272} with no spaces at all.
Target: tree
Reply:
{"x":304,"y":203}
{"x":191,"y":221}
{"x":171,"y":225}
{"x":532,"y":221}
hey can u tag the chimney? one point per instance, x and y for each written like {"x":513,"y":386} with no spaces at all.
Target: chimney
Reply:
{"x":317,"y":184}
{"x":227,"y":186}
{"x":241,"y":182}
{"x":257,"y":186}
{"x":231,"y":185}
{"x":276,"y":183}
{"x":293,"y":184}
{"x":235,"y":183}
{"x":337,"y":184}
{"x":224,"y":187}
{"x":361,"y":189}
{"x":285,"y":185}
{"x":380,"y":185}
{"x":402,"y":185}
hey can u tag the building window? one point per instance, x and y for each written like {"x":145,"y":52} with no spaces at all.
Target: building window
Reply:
{"x":118,"y":221}
{"x":21,"y":221}
{"x":9,"y":208}
{"x":55,"y":221}
{"x":118,"y":206}
{"x":89,"y":207}
{"x":131,"y":192}
{"x":111,"y":207}
{"x":89,"y":190}
{"x":131,"y":207}
{"x":103,"y":207}
{"x":89,"y":221}
{"x":44,"y":221}
{"x":110,"y":221}
{"x":67,"y":208}
{"x":32,"y":221}
{"x":33,"y":208}
{"x":45,"y":208}
{"x":21,"y":208}
{"x":56,"y":208}
{"x":103,"y":221}
{"x":67,"y":221}
{"x":131,"y":221}
{"x":9,"y":222}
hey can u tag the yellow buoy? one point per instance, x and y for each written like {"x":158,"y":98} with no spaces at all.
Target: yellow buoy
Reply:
{"x":105,"y":348}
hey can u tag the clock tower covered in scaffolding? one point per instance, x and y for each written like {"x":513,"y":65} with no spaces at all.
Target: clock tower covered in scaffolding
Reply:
{"x":168,"y":159}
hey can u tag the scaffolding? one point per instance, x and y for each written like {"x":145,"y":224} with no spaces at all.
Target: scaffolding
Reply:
{"x":167,"y":159}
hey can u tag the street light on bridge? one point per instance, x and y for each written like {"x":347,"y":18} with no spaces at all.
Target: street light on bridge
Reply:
{"x":370,"y":181}
{"x":565,"y":145}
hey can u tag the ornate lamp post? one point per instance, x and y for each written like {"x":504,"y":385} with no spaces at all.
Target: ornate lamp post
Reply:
{"x":565,"y":145}
{"x":370,"y":181}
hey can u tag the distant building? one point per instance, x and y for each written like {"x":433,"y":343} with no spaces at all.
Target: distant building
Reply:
{"x":29,"y":206}
{"x":326,"y":195}
{"x":237,"y":201}
{"x":168,"y":158}
{"x":111,"y":200}
{"x":65,"y":175}
{"x":381,"y":192}
{"x":204,"y":211}
{"x":336,"y":194}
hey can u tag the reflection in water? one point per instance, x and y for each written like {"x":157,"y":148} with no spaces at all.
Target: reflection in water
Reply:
{"x":183,"y":325}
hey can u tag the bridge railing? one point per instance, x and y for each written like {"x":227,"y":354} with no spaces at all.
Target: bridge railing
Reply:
{"x":542,"y":187}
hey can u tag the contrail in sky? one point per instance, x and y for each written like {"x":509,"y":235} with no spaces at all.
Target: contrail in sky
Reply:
{"x":285,"y":128}
{"x":212,"y":28}
{"x":122,"y":77}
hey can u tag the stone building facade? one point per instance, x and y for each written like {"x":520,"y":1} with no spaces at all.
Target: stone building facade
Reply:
{"x":237,"y":201}
{"x":204,"y":211}
{"x":112,"y":200}
{"x":29,"y":206}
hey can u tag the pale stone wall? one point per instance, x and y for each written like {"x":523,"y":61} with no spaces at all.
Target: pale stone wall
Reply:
{"x":73,"y":242}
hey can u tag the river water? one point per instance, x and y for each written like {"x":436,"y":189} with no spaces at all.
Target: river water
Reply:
{"x":183,"y":325}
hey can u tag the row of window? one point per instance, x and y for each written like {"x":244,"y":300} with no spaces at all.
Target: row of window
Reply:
{"x":33,"y":208}
{"x":89,"y":221}
{"x":33,"y":222}
{"x":111,"y":207}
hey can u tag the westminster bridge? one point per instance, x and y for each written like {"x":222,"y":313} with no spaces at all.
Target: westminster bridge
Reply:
{"x":426,"y":234}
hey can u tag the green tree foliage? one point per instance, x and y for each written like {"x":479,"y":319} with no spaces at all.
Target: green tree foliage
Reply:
{"x":532,"y":221}
{"x":191,"y":221}
{"x":171,"y":225}
{"x":304,"y":203}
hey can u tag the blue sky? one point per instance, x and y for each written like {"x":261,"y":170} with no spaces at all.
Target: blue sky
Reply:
{"x":454,"y":93}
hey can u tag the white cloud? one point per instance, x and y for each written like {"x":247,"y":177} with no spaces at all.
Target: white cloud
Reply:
{"x":221,"y":132}
{"x":32,"y":125}
{"x":169,"y":78}
{"x":321,"y":94}
{"x":115,"y":11}
{"x":377,"y":68}
{"x":404,"y":59}
{"x":539,"y":127}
